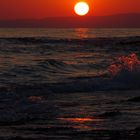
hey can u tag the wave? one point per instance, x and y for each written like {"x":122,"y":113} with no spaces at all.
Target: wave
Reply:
{"x":96,"y":41}
{"x":122,"y":75}
{"x":55,"y":66}
{"x":126,"y":69}
{"x":52,"y":72}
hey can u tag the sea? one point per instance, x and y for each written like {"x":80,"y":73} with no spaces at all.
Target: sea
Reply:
{"x":76,"y":83}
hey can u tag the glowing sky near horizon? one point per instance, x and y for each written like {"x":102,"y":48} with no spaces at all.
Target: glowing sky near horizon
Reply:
{"x":15,"y":9}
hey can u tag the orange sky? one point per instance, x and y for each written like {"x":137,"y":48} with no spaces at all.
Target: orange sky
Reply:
{"x":15,"y":9}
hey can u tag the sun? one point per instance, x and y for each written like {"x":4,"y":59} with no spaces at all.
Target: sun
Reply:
{"x":81,"y":8}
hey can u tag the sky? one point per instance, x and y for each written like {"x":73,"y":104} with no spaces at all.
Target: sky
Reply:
{"x":25,"y":9}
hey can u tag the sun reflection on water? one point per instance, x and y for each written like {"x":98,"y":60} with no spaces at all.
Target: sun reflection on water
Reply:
{"x":77,"y":120}
{"x":81,"y":124}
{"x":82,"y":32}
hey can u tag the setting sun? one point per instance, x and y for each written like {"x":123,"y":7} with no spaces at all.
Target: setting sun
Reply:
{"x":81,"y":8}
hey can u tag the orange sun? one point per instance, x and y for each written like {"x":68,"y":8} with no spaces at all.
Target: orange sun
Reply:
{"x":81,"y":8}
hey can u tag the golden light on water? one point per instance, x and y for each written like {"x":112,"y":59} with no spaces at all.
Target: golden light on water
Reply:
{"x":82,"y":32}
{"x":79,"y":120}
{"x":81,"y":124}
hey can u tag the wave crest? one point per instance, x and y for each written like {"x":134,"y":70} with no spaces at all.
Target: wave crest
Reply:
{"x":126,"y":70}
{"x":129,"y":64}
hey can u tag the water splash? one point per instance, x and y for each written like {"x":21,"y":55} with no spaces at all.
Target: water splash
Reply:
{"x":128,"y":64}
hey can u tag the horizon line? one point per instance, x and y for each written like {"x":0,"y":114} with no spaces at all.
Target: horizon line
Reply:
{"x":71,"y":16}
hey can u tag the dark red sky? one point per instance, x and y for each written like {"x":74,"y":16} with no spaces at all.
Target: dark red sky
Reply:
{"x":15,"y":9}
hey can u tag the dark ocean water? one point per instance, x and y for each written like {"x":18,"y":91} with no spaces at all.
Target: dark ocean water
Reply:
{"x":56,"y":84}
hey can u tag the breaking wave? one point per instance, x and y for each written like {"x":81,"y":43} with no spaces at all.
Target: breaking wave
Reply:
{"x":70,"y":65}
